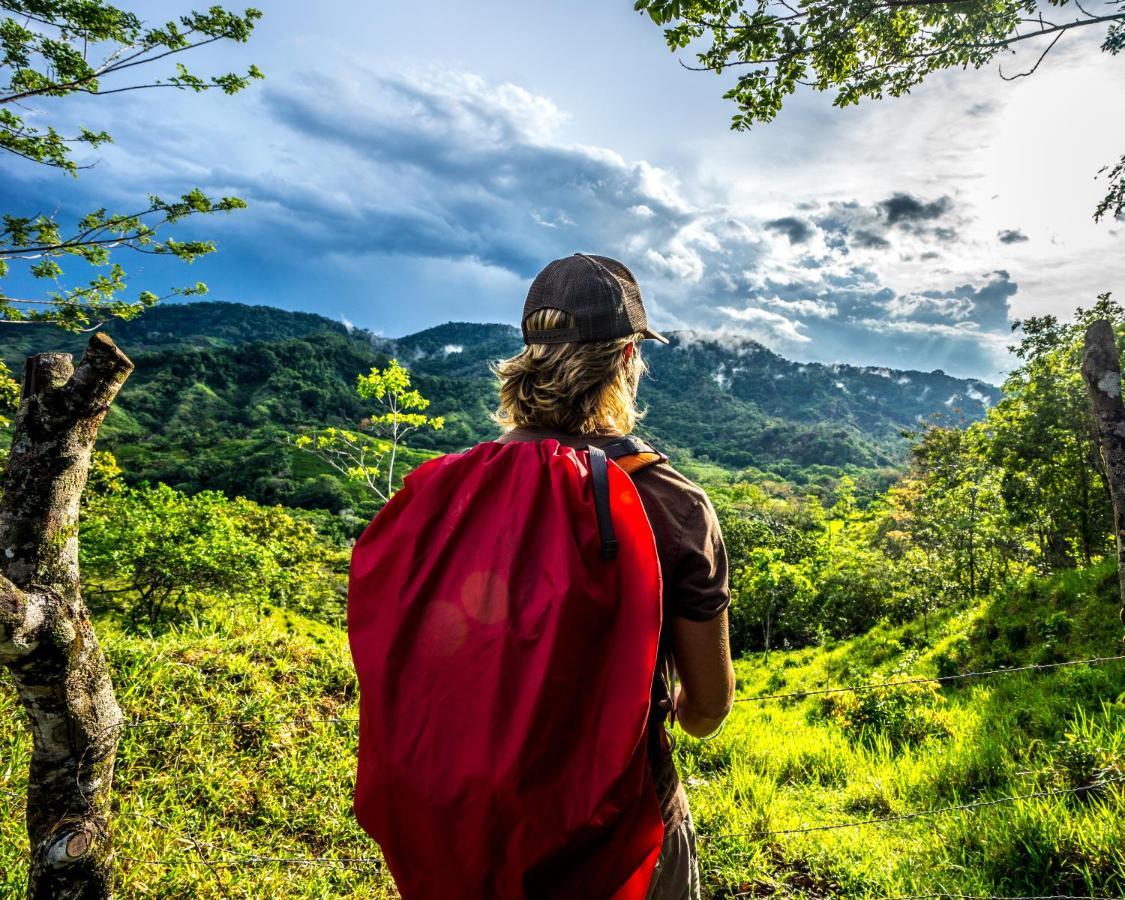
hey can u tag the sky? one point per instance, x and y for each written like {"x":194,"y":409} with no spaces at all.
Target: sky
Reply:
{"x":412,"y":164}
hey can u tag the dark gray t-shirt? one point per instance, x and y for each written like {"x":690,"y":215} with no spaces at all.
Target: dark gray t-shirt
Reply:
{"x":693,"y":565}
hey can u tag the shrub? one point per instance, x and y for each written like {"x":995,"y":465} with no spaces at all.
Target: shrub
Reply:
{"x":152,"y":550}
{"x":1091,"y":752}
{"x":903,"y":714}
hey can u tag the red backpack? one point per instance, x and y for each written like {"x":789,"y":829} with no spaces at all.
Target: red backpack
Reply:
{"x":504,"y":613}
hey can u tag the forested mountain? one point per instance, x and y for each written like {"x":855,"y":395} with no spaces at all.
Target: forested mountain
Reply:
{"x":740,"y":404}
{"x":218,"y":384}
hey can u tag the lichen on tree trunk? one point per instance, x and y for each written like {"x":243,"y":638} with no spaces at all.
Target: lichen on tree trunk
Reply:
{"x":1101,"y":369}
{"x":46,"y":640}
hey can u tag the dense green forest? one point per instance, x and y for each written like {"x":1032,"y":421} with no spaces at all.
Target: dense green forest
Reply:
{"x":214,"y":554}
{"x":218,"y":385}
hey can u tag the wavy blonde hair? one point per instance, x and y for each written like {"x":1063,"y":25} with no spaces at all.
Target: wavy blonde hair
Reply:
{"x":577,"y":387}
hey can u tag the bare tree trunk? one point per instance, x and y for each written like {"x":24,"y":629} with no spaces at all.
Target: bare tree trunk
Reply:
{"x":46,"y":640}
{"x":1101,"y":368}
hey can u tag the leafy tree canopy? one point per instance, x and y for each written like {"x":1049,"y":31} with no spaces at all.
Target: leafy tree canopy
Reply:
{"x":360,"y":457}
{"x":870,"y":48}
{"x":56,"y":48}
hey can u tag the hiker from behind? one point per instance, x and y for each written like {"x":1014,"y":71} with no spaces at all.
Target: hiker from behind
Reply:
{"x":576,"y":382}
{"x":519,"y":614}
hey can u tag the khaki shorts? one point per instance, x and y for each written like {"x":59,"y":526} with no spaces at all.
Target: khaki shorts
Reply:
{"x":677,"y":870}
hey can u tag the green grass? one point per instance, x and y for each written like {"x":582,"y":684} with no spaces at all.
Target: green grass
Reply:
{"x":821,"y":760}
{"x":260,"y":790}
{"x":283,"y":790}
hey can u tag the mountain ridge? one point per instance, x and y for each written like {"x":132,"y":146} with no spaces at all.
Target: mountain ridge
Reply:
{"x":217,"y":384}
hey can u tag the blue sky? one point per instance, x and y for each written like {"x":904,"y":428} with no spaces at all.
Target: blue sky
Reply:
{"x":410,"y":164}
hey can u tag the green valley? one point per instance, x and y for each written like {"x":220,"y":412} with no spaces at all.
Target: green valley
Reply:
{"x":217,"y":385}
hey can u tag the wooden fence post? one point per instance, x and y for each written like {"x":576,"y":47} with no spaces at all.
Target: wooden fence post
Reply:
{"x":46,"y":639}
{"x":1101,"y":369}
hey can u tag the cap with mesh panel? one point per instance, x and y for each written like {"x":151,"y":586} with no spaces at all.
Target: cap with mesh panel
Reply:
{"x":600,"y":294}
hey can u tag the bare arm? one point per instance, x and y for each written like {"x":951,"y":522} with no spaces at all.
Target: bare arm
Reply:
{"x":701,"y":652}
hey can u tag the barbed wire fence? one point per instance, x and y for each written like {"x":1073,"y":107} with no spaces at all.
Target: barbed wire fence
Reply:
{"x":921,"y":813}
{"x":217,"y":858}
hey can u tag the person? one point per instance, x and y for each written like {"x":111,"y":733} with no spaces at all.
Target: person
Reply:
{"x":576,"y":382}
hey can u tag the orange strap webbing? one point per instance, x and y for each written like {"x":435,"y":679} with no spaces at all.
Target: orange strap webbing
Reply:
{"x":637,"y":461}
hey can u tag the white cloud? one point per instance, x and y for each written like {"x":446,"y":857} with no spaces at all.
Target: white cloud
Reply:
{"x":814,"y":308}
{"x":413,"y":174}
{"x":768,"y":327}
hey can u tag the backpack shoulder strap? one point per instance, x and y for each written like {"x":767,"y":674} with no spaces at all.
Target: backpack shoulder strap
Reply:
{"x":599,"y":474}
{"x":632,"y":454}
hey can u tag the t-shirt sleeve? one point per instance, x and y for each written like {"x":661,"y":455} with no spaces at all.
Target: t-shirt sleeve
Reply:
{"x":699,"y":588}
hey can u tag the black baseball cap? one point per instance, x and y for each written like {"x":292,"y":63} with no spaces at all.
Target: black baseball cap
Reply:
{"x":600,"y":293}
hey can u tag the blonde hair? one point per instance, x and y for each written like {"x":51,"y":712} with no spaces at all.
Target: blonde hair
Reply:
{"x":578,"y":387}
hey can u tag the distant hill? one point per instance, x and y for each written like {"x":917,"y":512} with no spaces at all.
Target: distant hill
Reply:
{"x":217,"y":384}
{"x":738,"y":403}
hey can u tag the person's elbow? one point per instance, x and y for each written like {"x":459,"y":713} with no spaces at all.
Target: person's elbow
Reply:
{"x":718,"y":702}
{"x":701,"y":714}
{"x":701,"y":651}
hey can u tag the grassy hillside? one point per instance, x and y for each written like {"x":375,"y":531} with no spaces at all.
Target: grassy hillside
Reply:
{"x":252,"y":793}
{"x":253,"y":790}
{"x":840,"y":758}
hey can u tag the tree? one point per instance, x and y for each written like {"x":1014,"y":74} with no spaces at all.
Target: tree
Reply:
{"x":869,"y":48}
{"x":766,"y":591}
{"x":360,"y":456}
{"x":1023,"y":487}
{"x":45,"y":54}
{"x":45,"y":49}
{"x":46,"y":640}
{"x":1042,"y":437}
{"x":1101,"y":370}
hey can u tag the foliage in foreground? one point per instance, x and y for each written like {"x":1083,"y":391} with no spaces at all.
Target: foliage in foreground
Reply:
{"x":867,"y":49}
{"x":849,"y":757}
{"x":283,"y":790}
{"x":57,"y":48}
{"x":1020,"y":491}
{"x":270,"y":791}
{"x":155,"y":551}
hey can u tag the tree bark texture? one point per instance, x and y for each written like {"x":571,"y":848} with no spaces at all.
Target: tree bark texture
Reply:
{"x":46,"y":640}
{"x":1101,"y":369}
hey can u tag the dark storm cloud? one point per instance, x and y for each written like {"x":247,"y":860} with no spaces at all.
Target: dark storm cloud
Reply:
{"x":865,"y":238}
{"x":464,"y":171}
{"x":851,"y":224}
{"x":1011,"y":236}
{"x":986,"y":306}
{"x":851,"y":316}
{"x":797,"y":230}
{"x":908,"y":208}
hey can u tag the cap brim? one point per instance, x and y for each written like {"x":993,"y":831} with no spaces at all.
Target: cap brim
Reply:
{"x":655,"y":335}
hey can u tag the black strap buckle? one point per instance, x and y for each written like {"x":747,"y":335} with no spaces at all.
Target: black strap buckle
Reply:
{"x":630,"y":445}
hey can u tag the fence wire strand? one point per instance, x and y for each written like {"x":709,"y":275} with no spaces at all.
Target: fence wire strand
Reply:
{"x":213,"y":862}
{"x":922,"y":813}
{"x":944,"y":896}
{"x":937,"y":679}
{"x":236,"y":723}
{"x":337,"y":862}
